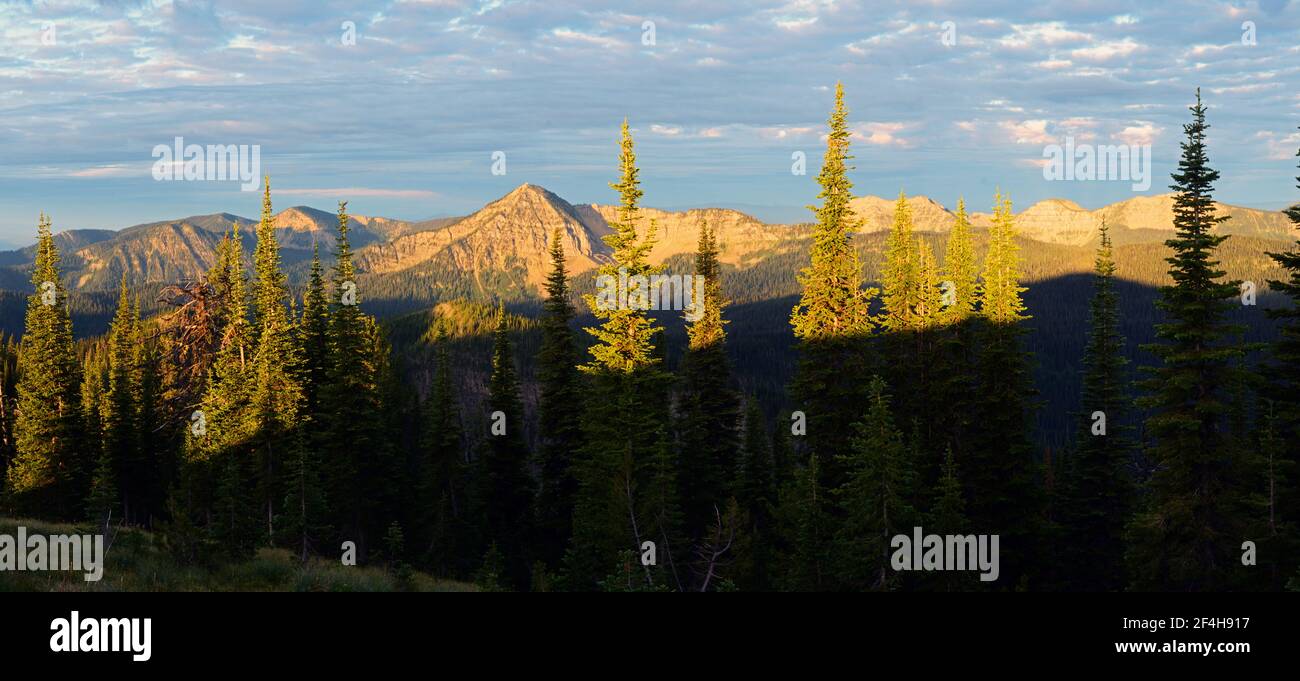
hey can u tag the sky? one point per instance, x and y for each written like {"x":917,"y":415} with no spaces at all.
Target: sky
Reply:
{"x":401,"y":107}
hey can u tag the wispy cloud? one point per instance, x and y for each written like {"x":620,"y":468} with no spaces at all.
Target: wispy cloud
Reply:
{"x":345,"y":192}
{"x":408,"y":114}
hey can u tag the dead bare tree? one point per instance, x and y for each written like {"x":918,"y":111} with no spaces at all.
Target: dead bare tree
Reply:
{"x":714,"y":547}
{"x":191,"y":335}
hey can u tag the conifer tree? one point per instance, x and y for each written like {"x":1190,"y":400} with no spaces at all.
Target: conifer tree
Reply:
{"x":954,"y":365}
{"x":276,"y":396}
{"x":305,"y":510}
{"x":960,"y":269}
{"x":923,"y":386}
{"x":559,"y":428}
{"x":782,"y":454}
{"x":155,"y":445}
{"x":875,"y":499}
{"x":218,"y":471}
{"x":355,"y":442}
{"x":314,"y":329}
{"x":709,"y":408}
{"x":506,"y":490}
{"x":8,"y":383}
{"x":1001,"y":473}
{"x":947,"y":516}
{"x":832,"y":318}
{"x":928,"y":308}
{"x":948,"y":512}
{"x":806,"y":530}
{"x":627,"y":404}
{"x":49,"y":473}
{"x":755,"y":489}
{"x":444,"y":470}
{"x":1188,"y":534}
{"x":1283,"y":409}
{"x":1097,"y":491}
{"x":103,"y":504}
{"x":900,"y":283}
{"x":659,"y":517}
{"x":121,"y":439}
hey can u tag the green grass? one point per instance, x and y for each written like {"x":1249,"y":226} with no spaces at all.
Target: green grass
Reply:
{"x":137,"y":561}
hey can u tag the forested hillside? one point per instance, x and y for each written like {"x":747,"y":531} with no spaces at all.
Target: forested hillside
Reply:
{"x":460,"y":397}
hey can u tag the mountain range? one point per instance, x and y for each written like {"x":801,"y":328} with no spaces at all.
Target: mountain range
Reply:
{"x":504,"y":243}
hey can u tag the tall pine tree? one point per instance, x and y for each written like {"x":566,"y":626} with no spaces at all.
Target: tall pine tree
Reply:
{"x":709,"y":408}
{"x":1098,"y":490}
{"x":49,"y":473}
{"x":559,"y":428}
{"x":506,"y":489}
{"x":626,"y":409}
{"x":1188,"y":534}
{"x":1283,"y":394}
{"x":831,"y":319}
{"x":276,"y":399}
{"x":1001,"y":473}
{"x":875,"y":498}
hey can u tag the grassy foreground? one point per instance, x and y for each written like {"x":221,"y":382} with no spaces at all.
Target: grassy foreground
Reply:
{"x":137,"y":561}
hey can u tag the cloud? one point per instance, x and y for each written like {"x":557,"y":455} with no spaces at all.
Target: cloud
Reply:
{"x":1140,"y":134}
{"x":1027,"y":132}
{"x":345,"y":192}
{"x":1106,"y":51}
{"x":882,"y":134}
{"x":431,"y":87}
{"x":1042,"y":34}
{"x":111,"y":170}
{"x":1280,"y":147}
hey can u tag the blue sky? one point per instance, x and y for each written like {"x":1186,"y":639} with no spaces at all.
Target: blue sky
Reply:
{"x":404,"y":122}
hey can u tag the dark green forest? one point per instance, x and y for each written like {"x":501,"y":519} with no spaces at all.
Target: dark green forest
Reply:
{"x":1128,"y":429}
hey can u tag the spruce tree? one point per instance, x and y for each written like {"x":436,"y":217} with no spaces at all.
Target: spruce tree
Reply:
{"x":8,"y":384}
{"x":947,"y":516}
{"x":156,"y":443}
{"x":276,"y":398}
{"x":899,"y":279}
{"x":1097,"y":491}
{"x":559,"y":429}
{"x":506,"y":490}
{"x":356,"y":449}
{"x":755,"y":489}
{"x":924,"y":385}
{"x":960,"y":269}
{"x":1001,"y":473}
{"x":313,"y":333}
{"x":875,"y":499}
{"x":954,"y":366}
{"x":49,"y":473}
{"x":627,"y":404}
{"x":1188,"y":534}
{"x":103,"y":503}
{"x":831,"y":318}
{"x":927,"y":311}
{"x":121,"y":440}
{"x":709,"y":409}
{"x":305,"y":515}
{"x":446,"y":497}
{"x":1282,"y":410}
{"x":806,"y":529}
{"x":218,"y":471}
